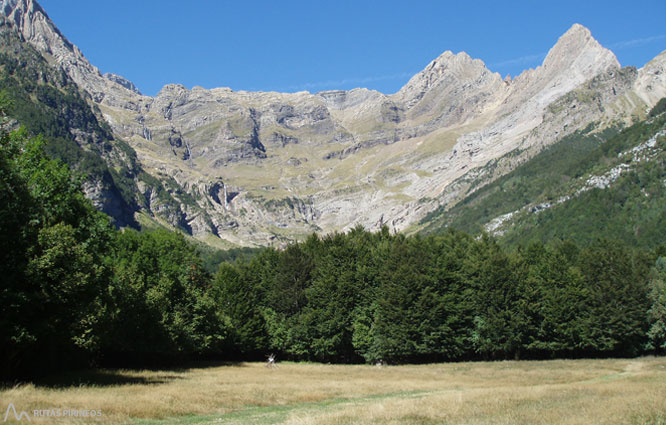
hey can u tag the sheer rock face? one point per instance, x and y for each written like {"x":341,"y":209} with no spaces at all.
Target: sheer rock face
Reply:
{"x":452,"y":89}
{"x":651,"y":82}
{"x":266,"y":167}
{"x":122,"y":81}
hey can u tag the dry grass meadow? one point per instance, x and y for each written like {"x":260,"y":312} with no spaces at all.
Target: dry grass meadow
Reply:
{"x":614,"y":391}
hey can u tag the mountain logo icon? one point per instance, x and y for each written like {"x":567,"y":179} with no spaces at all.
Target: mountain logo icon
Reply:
{"x":18,"y":416}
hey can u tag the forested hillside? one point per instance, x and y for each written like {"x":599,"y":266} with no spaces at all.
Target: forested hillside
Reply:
{"x":591,"y":184}
{"x":47,"y":102}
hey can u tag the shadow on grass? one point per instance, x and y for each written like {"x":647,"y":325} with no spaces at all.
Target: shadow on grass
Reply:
{"x":119,"y":376}
{"x":103,"y":378}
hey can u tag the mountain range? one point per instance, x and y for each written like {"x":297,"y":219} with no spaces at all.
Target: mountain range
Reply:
{"x":237,"y":168}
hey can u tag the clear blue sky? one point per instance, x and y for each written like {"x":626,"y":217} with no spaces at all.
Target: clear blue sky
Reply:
{"x":322,"y":45}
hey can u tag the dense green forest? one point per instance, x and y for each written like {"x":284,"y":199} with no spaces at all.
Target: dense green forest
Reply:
{"x":632,"y":209}
{"x":77,"y":292}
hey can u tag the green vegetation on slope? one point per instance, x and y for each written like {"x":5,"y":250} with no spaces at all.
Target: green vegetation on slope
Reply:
{"x":542,"y":177}
{"x":73,"y":289}
{"x":51,"y":267}
{"x":631,"y":209}
{"x":47,"y":102}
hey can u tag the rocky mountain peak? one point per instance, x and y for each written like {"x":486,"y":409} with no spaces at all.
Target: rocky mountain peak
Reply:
{"x":34,"y":26}
{"x":460,"y":65}
{"x":577,"y":51}
{"x":576,"y":58}
{"x":15,"y":8}
{"x":242,"y":164}
{"x":447,"y":70}
{"x":119,"y":79}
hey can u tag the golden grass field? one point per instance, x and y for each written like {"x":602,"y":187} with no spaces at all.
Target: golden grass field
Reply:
{"x":615,"y":391}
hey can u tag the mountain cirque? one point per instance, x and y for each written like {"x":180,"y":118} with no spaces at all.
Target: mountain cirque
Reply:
{"x":261,"y":168}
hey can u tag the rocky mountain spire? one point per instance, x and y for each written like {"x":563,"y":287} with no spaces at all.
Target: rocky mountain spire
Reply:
{"x":453,"y":88}
{"x":576,"y":58}
{"x":301,"y":162}
{"x":35,"y":27}
{"x":447,"y":70}
{"x":577,"y":51}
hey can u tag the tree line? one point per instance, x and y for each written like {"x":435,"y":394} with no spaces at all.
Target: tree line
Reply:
{"x":361,"y":296}
{"x":76,"y":292}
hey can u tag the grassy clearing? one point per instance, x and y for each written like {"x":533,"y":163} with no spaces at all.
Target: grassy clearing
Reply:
{"x":559,"y":391}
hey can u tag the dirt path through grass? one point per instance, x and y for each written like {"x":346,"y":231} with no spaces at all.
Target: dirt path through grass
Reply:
{"x":278,"y":414}
{"x":326,"y":411}
{"x":601,"y":391}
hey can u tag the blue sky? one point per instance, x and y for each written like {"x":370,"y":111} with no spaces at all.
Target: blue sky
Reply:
{"x":323,"y":45}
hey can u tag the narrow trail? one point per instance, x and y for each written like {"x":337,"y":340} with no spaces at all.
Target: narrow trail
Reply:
{"x":280,"y":413}
{"x":277,"y":414}
{"x":631,"y":369}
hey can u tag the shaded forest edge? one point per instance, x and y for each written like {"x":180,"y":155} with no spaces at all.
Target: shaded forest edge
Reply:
{"x":77,"y":292}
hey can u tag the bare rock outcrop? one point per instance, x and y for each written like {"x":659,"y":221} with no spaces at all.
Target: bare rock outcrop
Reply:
{"x":303,"y":162}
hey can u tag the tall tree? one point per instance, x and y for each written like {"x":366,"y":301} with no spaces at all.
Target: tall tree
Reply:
{"x":502,"y":324}
{"x":615,"y":312}
{"x":55,"y":274}
{"x":657,"y":313}
{"x":236,"y":292}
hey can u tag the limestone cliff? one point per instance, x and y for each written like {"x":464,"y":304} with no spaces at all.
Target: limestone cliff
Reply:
{"x":257,"y":168}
